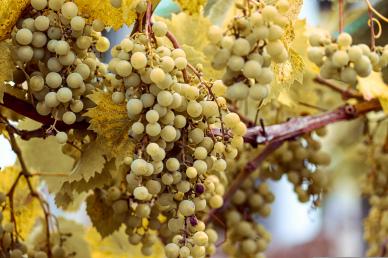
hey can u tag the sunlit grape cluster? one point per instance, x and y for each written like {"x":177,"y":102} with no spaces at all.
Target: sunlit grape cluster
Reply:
{"x":339,"y":59}
{"x":54,"y":49}
{"x":302,"y":161}
{"x":177,"y":172}
{"x":249,"y":47}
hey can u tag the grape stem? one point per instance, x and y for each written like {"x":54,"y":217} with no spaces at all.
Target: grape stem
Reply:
{"x":341,"y":15}
{"x":346,"y":93}
{"x":27,"y":175}
{"x":274,"y":136}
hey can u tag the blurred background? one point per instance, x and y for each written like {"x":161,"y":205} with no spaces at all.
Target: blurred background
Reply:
{"x":299,"y":230}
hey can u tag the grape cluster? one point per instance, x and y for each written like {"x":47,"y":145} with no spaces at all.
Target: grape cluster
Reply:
{"x":54,"y":50}
{"x":302,"y":162}
{"x":375,"y":188}
{"x":339,"y":59}
{"x":245,"y":235}
{"x":248,"y":49}
{"x":179,"y":163}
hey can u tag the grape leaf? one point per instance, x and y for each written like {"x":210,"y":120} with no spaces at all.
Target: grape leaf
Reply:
{"x":111,"y":123}
{"x":117,"y":246}
{"x":10,"y":11}
{"x":193,"y":25}
{"x":26,"y":209}
{"x":101,"y":215}
{"x":191,"y":6}
{"x":104,"y":11}
{"x":92,"y":162}
{"x":6,"y":67}
{"x":373,"y":86}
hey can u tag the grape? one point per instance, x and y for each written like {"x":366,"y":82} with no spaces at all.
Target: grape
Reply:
{"x":43,"y":109}
{"x":194,"y":109}
{"x":84,"y":42}
{"x":236,"y":63}
{"x":344,"y":40}
{"x":159,"y":29}
{"x":77,"y":106}
{"x":69,"y":10}
{"x":157,"y":75}
{"x":152,"y":116}
{"x":171,"y":250}
{"x":251,"y":69}
{"x":340,"y":58}
{"x":42,"y":23}
{"x":180,"y":63}
{"x":134,"y":107}
{"x":176,"y":53}
{"x":116,"y":3}
{"x":39,"y":39}
{"x":69,"y":118}
{"x":348,"y":75}
{"x":58,"y":252}
{"x":241,"y":47}
{"x":200,"y":238}
{"x":168,"y":133}
{"x":141,"y":193}
{"x":238,"y":91}
{"x":165,"y":98}
{"x":39,"y":4}
{"x":275,"y":48}
{"x":215,"y":34}
{"x":118,"y":97}
{"x":24,"y":37}
{"x":77,"y":23}
{"x":363,"y":66}
{"x":68,"y":59}
{"x":102,"y":44}
{"x":258,"y":92}
{"x":53,"y":80}
{"x":275,"y":32}
{"x":36,"y":83}
{"x":54,"y":33}
{"x":139,"y":60}
{"x":55,"y":4}
{"x":74,"y":80}
{"x":51,"y":100}
{"x":62,"y":47}
{"x":265,"y":76}
{"x":123,"y":68}
{"x":61,"y":137}
{"x":153,"y":129}
{"x":186,"y":208}
{"x":64,"y":95}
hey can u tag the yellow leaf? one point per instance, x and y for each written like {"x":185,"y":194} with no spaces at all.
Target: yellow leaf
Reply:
{"x":104,"y":11}
{"x":291,"y":70}
{"x":191,"y":6}
{"x":26,"y":208}
{"x":194,"y":31}
{"x":117,"y":246}
{"x":6,"y":66}
{"x":111,"y":123}
{"x":195,"y":57}
{"x":373,"y":86}
{"x":10,"y":11}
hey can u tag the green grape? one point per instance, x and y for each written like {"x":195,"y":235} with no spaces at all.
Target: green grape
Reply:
{"x":241,"y":47}
{"x":69,"y":10}
{"x":64,"y":95}
{"x":25,"y":53}
{"x":77,"y":23}
{"x":116,"y":3}
{"x":141,"y":193}
{"x":340,"y":58}
{"x":69,"y":118}
{"x":236,"y":63}
{"x":62,"y":48}
{"x":42,"y":23}
{"x":98,"y":25}
{"x":344,"y":40}
{"x":53,"y":80}
{"x":251,"y":69}
{"x":51,"y":100}
{"x":55,"y":5}
{"x":39,"y":4}
{"x":139,"y":60}
{"x":77,"y":106}
{"x":102,"y":44}
{"x":36,"y":83}
{"x":61,"y":137}
{"x":159,"y":29}
{"x":39,"y":39}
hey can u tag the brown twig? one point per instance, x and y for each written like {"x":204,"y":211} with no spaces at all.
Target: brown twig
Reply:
{"x":372,"y":30}
{"x":346,"y":94}
{"x":341,"y":16}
